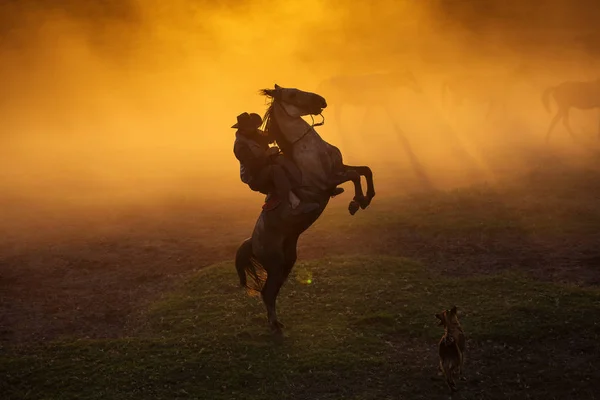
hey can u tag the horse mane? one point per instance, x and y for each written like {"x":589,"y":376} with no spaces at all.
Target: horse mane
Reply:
{"x":268,"y":119}
{"x":270,"y":95}
{"x":270,"y":101}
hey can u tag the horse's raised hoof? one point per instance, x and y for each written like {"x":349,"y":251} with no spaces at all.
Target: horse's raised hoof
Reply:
{"x":353,"y":207}
{"x":362,"y":201}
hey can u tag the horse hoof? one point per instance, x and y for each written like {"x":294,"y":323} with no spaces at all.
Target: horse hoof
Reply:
{"x":275,"y":324}
{"x":362,"y":201}
{"x":353,"y":207}
{"x":277,"y":328}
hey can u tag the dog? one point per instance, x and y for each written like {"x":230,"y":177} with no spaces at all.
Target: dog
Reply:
{"x":451,"y":346}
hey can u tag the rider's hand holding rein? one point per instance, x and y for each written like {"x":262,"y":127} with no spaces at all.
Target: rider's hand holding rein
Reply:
{"x":272,"y":151}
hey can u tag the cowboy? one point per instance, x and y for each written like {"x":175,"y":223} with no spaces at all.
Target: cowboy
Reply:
{"x":258,"y":167}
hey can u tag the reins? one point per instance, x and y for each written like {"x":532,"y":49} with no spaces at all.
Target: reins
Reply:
{"x":309,"y":128}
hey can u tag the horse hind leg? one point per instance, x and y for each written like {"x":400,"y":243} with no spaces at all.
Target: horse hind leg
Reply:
{"x":269,"y":295}
{"x":274,"y":264}
{"x":567,"y":125}
{"x":290,"y":250}
{"x":559,"y":115}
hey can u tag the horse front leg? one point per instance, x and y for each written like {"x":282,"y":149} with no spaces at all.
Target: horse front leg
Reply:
{"x":359,"y":200}
{"x":368,"y":174}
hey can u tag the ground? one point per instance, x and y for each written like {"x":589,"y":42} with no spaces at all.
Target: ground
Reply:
{"x":127,"y":308}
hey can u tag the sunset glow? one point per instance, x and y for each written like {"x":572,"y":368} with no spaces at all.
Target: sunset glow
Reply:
{"x":135,"y":101}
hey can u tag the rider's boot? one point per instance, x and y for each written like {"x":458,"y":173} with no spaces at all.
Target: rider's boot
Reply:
{"x":299,"y":207}
{"x":337,"y":191}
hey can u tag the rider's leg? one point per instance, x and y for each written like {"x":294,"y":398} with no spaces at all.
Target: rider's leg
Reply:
{"x":337,"y":191}
{"x":283,"y":188}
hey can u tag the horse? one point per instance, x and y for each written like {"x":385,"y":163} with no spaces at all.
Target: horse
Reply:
{"x":583,"y":95}
{"x":369,"y":91}
{"x":491,"y":89}
{"x":269,"y":255}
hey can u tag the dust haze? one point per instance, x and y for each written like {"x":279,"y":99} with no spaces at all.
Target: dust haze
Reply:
{"x":118,"y":104}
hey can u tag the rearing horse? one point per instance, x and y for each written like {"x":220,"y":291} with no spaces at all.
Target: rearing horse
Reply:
{"x":270,"y":254}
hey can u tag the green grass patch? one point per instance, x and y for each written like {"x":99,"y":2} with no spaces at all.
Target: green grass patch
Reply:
{"x":363,"y":328}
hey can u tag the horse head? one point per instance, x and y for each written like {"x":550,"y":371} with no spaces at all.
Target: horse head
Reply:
{"x":296,"y":102}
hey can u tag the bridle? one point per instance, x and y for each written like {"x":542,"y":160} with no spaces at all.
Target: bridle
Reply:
{"x":309,"y":128}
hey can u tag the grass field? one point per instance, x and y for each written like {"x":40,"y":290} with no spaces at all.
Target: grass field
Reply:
{"x":362,"y":329}
{"x":145,"y":304}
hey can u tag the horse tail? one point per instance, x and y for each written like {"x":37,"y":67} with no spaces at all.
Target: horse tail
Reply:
{"x":546,"y":97}
{"x":242,"y":260}
{"x":246,"y":266}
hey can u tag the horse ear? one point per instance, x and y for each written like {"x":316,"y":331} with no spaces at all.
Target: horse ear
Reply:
{"x":277,"y":86}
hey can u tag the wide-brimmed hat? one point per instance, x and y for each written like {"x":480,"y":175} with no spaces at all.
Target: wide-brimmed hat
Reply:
{"x":248,"y":121}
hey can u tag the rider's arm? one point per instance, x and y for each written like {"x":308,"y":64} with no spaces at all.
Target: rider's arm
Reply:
{"x":248,"y":159}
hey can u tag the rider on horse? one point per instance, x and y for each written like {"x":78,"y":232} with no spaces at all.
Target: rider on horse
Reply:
{"x":258,"y":163}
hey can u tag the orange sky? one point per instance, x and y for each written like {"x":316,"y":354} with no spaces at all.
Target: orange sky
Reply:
{"x":138,"y":98}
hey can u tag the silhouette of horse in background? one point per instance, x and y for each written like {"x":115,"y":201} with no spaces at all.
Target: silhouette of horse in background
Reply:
{"x":372,"y":92}
{"x":269,"y":255}
{"x":368,"y":91}
{"x":583,"y":95}
{"x":492,"y":89}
